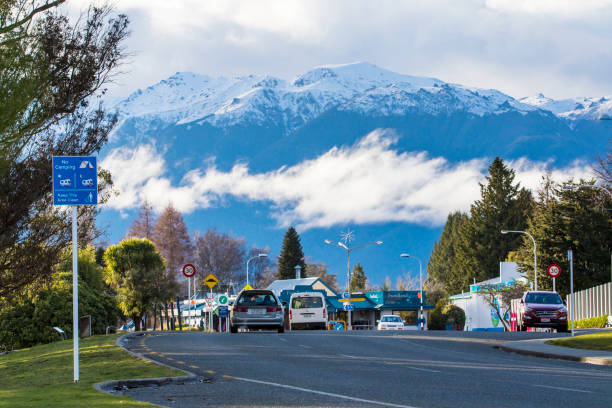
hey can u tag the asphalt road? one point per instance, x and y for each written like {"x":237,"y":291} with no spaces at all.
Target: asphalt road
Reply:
{"x":367,"y":369}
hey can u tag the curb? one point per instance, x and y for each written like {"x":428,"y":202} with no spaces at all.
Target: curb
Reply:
{"x":557,"y":352}
{"x":110,"y":387}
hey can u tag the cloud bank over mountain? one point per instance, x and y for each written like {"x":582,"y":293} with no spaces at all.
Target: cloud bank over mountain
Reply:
{"x":368,"y":182}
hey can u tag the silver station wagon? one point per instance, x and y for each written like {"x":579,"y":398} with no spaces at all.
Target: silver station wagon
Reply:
{"x":257,"y":309}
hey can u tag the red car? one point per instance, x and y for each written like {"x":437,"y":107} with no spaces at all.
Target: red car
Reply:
{"x":542,"y":309}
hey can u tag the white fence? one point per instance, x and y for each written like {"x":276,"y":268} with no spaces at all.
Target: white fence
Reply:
{"x":593,"y":302}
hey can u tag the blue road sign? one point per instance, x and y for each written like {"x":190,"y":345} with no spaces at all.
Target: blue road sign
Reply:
{"x":223,"y":311}
{"x":349,"y":308}
{"x":345,"y":295}
{"x":75,"y":180}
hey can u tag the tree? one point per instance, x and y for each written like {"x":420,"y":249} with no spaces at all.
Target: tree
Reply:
{"x":29,"y":319}
{"x":220,"y":254}
{"x":386,"y":284}
{"x":481,"y":246}
{"x":137,"y":272}
{"x":604,"y":168}
{"x":499,"y":297}
{"x":291,"y":255}
{"x":358,"y":280}
{"x":142,"y":226}
{"x":576,"y":219}
{"x":319,"y":270}
{"x":172,"y":240}
{"x":50,"y":72}
{"x":407,"y":282}
{"x":441,"y":264}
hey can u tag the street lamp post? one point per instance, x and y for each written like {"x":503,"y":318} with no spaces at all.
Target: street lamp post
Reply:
{"x":348,"y":269}
{"x":420,"y":284}
{"x":250,"y":259}
{"x":535,"y":255}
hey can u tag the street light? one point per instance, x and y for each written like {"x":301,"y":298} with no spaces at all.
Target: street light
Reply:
{"x":535,"y":256}
{"x":250,"y":259}
{"x":348,"y":268}
{"x":420,"y":284}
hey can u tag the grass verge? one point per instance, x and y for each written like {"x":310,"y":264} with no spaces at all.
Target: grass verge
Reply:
{"x":597,"y":341}
{"x":41,"y":376}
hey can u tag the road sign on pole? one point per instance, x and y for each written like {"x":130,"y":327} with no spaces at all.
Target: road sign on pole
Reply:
{"x":189,"y":270}
{"x":554,"y":270}
{"x":349,"y":308}
{"x":222,"y":300}
{"x":74,"y":182}
{"x":211,"y":280}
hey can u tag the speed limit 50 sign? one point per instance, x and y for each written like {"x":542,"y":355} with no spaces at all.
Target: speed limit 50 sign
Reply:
{"x":554,"y":270}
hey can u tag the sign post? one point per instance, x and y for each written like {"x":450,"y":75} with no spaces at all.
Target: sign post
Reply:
{"x":570,"y":258}
{"x":189,"y":271}
{"x":211,"y":281}
{"x":75,"y":182}
{"x":554,"y":271}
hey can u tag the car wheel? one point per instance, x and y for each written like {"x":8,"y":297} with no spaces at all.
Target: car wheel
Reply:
{"x":233,"y":329}
{"x":562,"y":329}
{"x":281,"y":329}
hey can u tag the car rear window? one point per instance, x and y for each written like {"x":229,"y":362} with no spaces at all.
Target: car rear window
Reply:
{"x":543,"y":298}
{"x":256,"y":299}
{"x":304,"y":302}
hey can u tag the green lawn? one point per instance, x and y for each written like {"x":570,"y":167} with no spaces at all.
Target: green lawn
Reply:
{"x":597,"y":341}
{"x":42,"y":376}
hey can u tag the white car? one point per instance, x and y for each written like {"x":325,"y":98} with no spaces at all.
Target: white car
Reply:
{"x":390,"y":322}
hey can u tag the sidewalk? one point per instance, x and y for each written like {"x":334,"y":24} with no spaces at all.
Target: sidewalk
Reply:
{"x":538,"y":348}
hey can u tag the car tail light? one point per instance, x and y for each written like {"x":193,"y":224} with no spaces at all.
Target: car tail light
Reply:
{"x":241,"y":309}
{"x":289,"y":314}
{"x":324,"y":313}
{"x":274,"y":309}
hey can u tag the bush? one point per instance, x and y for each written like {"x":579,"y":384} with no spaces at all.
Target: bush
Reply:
{"x":591,"y":322}
{"x":454,"y":315}
{"x":445,"y":313}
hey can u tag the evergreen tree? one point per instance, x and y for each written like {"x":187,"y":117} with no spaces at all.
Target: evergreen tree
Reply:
{"x":481,"y":246}
{"x":358,"y":280}
{"x":291,"y":255}
{"x":441,"y":264}
{"x":142,"y":226}
{"x":575,"y":219}
{"x":171,"y":239}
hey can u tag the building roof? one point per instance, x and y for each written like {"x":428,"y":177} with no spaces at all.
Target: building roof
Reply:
{"x":289,"y":284}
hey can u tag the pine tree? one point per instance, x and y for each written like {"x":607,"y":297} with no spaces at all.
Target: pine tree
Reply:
{"x":172,"y":240}
{"x":481,"y":246}
{"x":142,"y":226}
{"x":291,"y":255}
{"x":441,"y":264}
{"x":359,"y":280}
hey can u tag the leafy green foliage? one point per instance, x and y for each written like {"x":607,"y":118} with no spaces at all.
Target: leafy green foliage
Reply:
{"x":590,"y":322}
{"x":29,"y":319}
{"x":481,"y":246}
{"x":137,"y":272}
{"x":576,"y":219}
{"x":291,"y":255}
{"x":359,"y":280}
{"x":454,"y":315}
{"x":441,"y":264}
{"x":437,"y":319}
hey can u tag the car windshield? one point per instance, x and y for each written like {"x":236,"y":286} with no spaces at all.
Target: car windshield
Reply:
{"x":256,"y":299}
{"x":391,"y":319}
{"x":306,"y":302}
{"x":543,"y":298}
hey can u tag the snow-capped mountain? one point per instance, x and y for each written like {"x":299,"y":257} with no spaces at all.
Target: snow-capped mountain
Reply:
{"x":573,"y":108}
{"x":359,"y":88}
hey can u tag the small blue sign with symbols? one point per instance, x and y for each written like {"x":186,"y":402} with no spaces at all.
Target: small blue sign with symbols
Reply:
{"x":345,"y":295}
{"x":223,"y":311}
{"x":349,"y":308}
{"x":75,"y":180}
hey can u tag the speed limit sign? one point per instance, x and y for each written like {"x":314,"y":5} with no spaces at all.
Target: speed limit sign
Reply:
{"x":189,"y":270}
{"x":554,"y":270}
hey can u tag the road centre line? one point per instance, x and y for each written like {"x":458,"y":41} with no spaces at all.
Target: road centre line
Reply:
{"x":413,"y":368}
{"x":329,"y":394}
{"x":304,"y":346}
{"x":561,"y":388}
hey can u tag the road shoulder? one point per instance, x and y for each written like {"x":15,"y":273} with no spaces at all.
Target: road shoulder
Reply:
{"x":538,"y":348}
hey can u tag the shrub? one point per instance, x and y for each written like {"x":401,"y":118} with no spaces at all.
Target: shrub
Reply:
{"x":590,"y":322}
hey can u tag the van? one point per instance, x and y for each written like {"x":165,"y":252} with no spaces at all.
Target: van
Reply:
{"x":307,"y":310}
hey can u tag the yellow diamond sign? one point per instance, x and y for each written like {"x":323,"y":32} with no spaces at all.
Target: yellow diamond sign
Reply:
{"x":247,"y":287}
{"x":211,"y":280}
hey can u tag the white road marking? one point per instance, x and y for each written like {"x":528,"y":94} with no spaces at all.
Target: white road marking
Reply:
{"x":422,"y":369}
{"x":329,"y":394}
{"x":281,"y":339}
{"x":562,"y":388}
{"x":347,"y":356}
{"x":305,"y":346}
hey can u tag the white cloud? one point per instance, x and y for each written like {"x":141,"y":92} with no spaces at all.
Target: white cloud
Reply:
{"x":566,"y":8}
{"x":369,"y":182}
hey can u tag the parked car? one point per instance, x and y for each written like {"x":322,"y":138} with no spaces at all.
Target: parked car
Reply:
{"x":257,"y":309}
{"x":542,"y":309}
{"x":390,"y":322}
{"x":307,"y":310}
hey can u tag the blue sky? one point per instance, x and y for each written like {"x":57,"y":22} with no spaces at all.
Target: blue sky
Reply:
{"x":558,"y":47}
